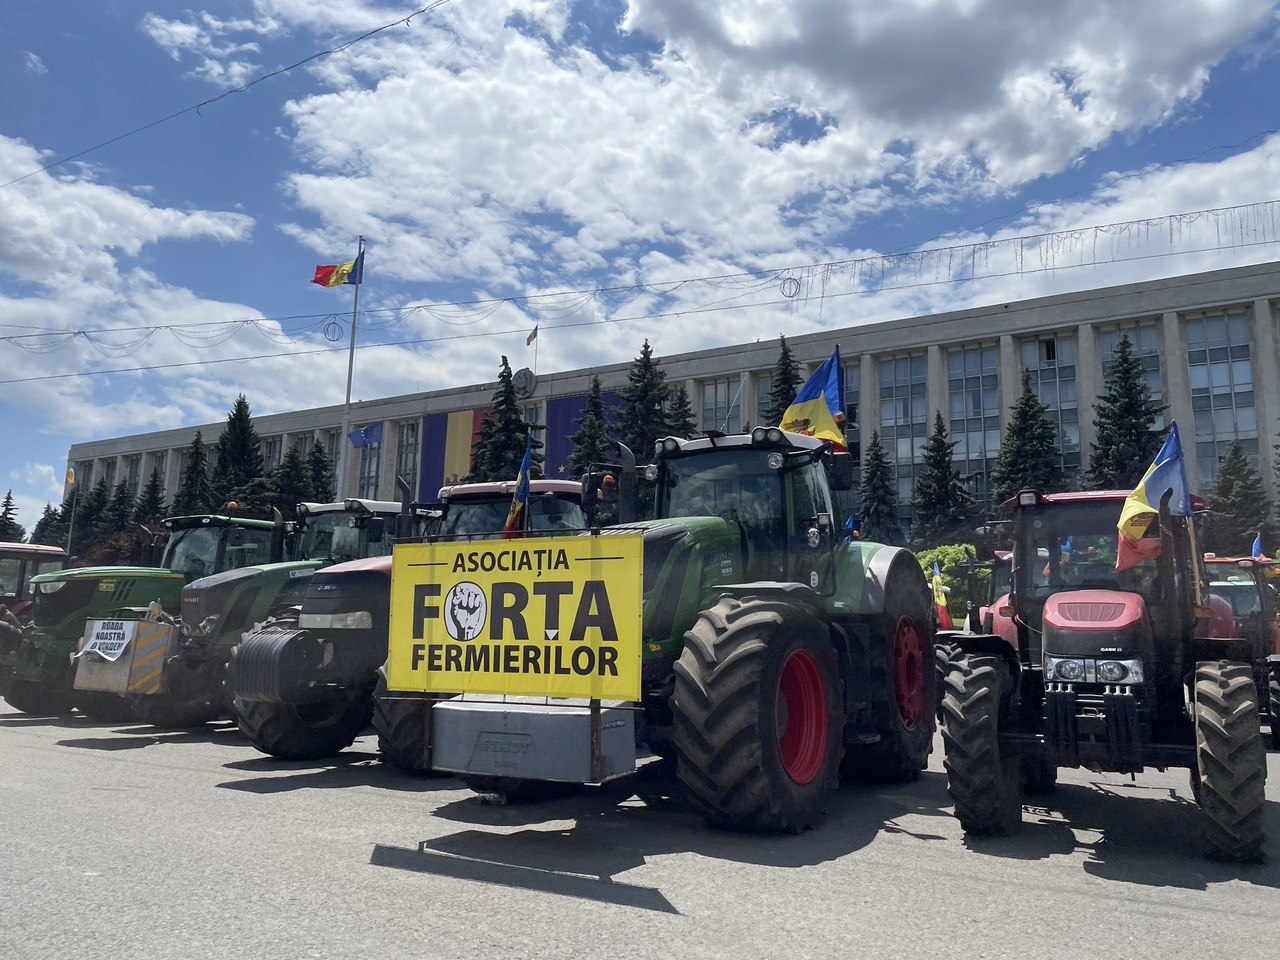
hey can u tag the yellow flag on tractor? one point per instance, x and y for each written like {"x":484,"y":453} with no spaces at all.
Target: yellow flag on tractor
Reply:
{"x":818,"y":409}
{"x":1167,"y":473}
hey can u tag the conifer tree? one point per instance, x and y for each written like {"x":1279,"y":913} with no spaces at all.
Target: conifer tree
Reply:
{"x":499,"y":449}
{"x":1028,"y":458}
{"x":118,"y":515}
{"x":680,"y":419}
{"x":51,"y":528}
{"x":592,"y":443}
{"x":194,"y":495}
{"x":292,"y":481}
{"x":237,"y":455}
{"x":320,"y":471}
{"x":88,"y":515}
{"x":1240,"y":507}
{"x":941,"y":503}
{"x":783,"y":383}
{"x":880,"y":522}
{"x":151,"y":505}
{"x":11,"y":531}
{"x":642,"y":418}
{"x":1124,"y":421}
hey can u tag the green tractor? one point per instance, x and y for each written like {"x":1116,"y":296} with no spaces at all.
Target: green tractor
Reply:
{"x":773,"y":653}
{"x":217,"y":610}
{"x":37,"y":674}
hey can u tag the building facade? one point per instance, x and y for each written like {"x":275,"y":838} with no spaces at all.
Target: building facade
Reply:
{"x":1208,"y":342}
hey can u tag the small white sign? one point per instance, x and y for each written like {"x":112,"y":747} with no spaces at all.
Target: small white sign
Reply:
{"x":109,"y":638}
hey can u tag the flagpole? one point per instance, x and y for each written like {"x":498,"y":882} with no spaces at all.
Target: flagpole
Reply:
{"x":343,"y":442}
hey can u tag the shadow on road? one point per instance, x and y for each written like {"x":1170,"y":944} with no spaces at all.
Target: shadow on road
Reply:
{"x":615,"y":830}
{"x":136,"y":736}
{"x":349,"y":769}
{"x":1149,"y":835}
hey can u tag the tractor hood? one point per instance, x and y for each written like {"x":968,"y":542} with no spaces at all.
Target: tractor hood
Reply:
{"x":1091,"y":623}
{"x":380,"y":565}
{"x":100,"y":573}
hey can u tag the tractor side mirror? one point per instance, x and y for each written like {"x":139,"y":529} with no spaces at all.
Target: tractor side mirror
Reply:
{"x":377,"y":528}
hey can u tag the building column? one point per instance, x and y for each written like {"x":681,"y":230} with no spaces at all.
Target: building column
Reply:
{"x":1262,"y":335}
{"x":935,"y":385}
{"x":868,"y":401}
{"x":1010,"y":379}
{"x":1177,"y":389}
{"x":1090,"y":384}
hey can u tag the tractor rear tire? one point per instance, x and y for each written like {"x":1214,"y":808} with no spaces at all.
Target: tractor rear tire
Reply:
{"x":105,"y":707}
{"x":1231,"y":761}
{"x":983,"y":780}
{"x":758,"y":716}
{"x":904,"y":687}
{"x":38,"y":699}
{"x":404,"y":729}
{"x":309,"y":731}
{"x":1273,"y":706}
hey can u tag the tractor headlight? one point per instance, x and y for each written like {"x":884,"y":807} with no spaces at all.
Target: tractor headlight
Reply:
{"x":1058,"y":669}
{"x":1120,"y":671}
{"x":651,"y":472}
{"x":53,"y":586}
{"x":356,"y":620}
{"x":775,"y":461}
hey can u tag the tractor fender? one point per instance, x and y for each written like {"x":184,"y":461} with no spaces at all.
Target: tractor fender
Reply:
{"x":879,"y":568}
{"x":790,"y":592}
{"x":980,"y":643}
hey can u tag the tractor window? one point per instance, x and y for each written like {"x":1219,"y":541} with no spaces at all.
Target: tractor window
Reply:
{"x":810,"y":497}
{"x":549,"y":512}
{"x":476,"y":517}
{"x":735,"y":484}
{"x":245,"y":546}
{"x":193,"y":552}
{"x":10,"y":576}
{"x":1074,"y":548}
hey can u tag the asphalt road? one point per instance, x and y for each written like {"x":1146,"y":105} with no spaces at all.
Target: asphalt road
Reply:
{"x":129,"y":842}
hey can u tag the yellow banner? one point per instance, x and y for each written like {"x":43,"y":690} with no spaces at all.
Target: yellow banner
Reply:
{"x":545,"y":617}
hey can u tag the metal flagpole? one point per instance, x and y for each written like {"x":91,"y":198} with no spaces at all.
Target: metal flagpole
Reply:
{"x":344,"y":443}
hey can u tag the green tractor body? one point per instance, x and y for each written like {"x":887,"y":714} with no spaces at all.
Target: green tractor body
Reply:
{"x":775,"y":652}
{"x":37,"y":675}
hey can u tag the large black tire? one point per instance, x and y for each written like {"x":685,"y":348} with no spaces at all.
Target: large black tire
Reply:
{"x":983,"y":780}
{"x":105,"y":707}
{"x":38,"y":699}
{"x":943,"y":655}
{"x":1231,"y":761}
{"x":310,"y":731}
{"x":758,"y":716}
{"x":1273,"y":706}
{"x":904,"y":685}
{"x":162,"y":710}
{"x":404,"y":729}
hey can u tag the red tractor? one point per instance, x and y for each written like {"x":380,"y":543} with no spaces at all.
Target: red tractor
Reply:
{"x":1248,"y":584}
{"x":1111,"y":671}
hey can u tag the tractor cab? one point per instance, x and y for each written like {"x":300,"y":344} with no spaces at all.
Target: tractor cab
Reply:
{"x":346,"y":530}
{"x":203,"y":545}
{"x":19,"y":562}
{"x":479,"y":510}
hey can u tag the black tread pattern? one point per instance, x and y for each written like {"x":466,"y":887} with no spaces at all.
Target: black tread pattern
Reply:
{"x":38,"y":699}
{"x":404,"y":731}
{"x":983,"y":783}
{"x":1231,"y":761}
{"x":280,"y":730}
{"x":721,"y":692}
{"x":1273,"y":706}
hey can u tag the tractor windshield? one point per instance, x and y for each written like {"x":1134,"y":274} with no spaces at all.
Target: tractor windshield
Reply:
{"x":201,"y":551}
{"x":487,"y":516}
{"x":341,"y":536}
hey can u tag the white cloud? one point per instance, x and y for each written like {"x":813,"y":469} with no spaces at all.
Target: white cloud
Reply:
{"x":34,"y":64}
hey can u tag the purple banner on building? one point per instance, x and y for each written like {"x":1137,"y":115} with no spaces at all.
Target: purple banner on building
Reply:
{"x":560,"y":417}
{"x":435,"y":428}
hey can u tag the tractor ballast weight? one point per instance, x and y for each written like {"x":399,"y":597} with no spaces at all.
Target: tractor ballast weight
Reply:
{"x":301,"y":687}
{"x":1110,"y":670}
{"x":750,"y":596}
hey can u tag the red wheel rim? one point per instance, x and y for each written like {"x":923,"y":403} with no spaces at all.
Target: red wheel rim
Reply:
{"x":801,"y":717}
{"x":908,"y":672}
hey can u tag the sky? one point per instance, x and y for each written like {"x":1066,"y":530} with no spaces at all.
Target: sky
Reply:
{"x":694,"y":172}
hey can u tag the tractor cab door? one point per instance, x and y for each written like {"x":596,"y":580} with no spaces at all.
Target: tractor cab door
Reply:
{"x":811,"y":529}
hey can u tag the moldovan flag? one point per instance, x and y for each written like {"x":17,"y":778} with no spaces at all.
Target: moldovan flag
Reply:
{"x":533,"y":335}
{"x":1167,"y":473}
{"x":818,"y":409}
{"x":336,"y":276}
{"x":940,"y":600}
{"x":518,"y":515}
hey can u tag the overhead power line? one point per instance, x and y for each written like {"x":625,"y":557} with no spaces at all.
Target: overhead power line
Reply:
{"x":197,"y":107}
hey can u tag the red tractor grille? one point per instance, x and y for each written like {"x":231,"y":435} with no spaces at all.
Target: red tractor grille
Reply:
{"x":1097,"y":611}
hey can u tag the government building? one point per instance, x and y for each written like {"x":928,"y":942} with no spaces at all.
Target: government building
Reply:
{"x":1208,"y":343}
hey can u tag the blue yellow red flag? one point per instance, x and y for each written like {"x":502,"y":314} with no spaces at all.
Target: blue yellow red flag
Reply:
{"x":818,"y":409}
{"x":1257,"y":546}
{"x":940,"y":600}
{"x":517,"y":516}
{"x":336,"y":276}
{"x":1167,"y":474}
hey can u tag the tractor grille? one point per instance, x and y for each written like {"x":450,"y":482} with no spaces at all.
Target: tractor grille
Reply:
{"x":1097,"y":611}
{"x":53,"y":608}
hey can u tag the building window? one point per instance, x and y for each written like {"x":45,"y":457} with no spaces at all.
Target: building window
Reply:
{"x":974,"y":388}
{"x":331,"y":440}
{"x":133,"y":474}
{"x":160,"y":464}
{"x":407,"y":454}
{"x":1144,"y":339}
{"x":1221,"y":389}
{"x":271,"y":452}
{"x":904,"y":421}
{"x":1051,"y":361}
{"x":84,"y":474}
{"x":109,"y":472}
{"x":720,"y":407}
{"x":370,"y":464}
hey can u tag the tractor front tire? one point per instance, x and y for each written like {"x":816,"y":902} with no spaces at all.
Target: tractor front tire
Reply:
{"x":758,"y":716}
{"x":1273,"y":705}
{"x":310,"y":731}
{"x":904,"y":686}
{"x":983,"y":780}
{"x":38,"y":699}
{"x":1231,"y":761}
{"x":404,"y":729}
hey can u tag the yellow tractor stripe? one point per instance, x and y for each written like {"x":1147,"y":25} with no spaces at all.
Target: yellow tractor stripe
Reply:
{"x":138,"y":685}
{"x":148,"y":658}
